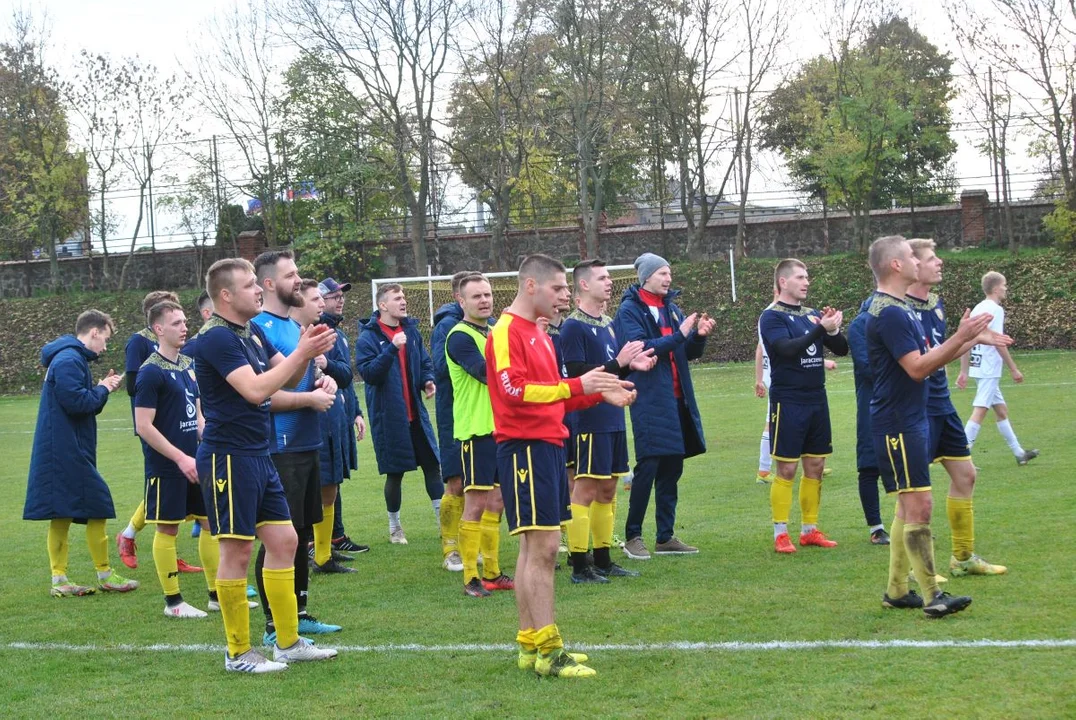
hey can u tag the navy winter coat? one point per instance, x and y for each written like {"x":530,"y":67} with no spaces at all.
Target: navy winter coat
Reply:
{"x":336,"y":426}
{"x":377,"y":361}
{"x":352,"y":408}
{"x":864,"y":380}
{"x":654,"y":415}
{"x":446,"y":318}
{"x":64,"y":481}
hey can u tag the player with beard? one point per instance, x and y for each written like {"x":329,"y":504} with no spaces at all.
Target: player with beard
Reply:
{"x":296,"y":438}
{"x":239,"y":372}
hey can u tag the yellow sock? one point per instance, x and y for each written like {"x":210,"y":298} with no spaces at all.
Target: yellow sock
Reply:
{"x":898,"y":561}
{"x":57,"y":542}
{"x":961,"y":525}
{"x":323,"y":534}
{"x":98,"y":544}
{"x":491,"y":544}
{"x":280,"y":592}
{"x":209,"y":556}
{"x":548,"y":639}
{"x":470,"y":538}
{"x":138,"y":520}
{"x":579,"y":529}
{"x":164,"y":558}
{"x":601,"y":523}
{"x":780,"y":499}
{"x":525,"y":638}
{"x":451,"y":511}
{"x":614,"y":508}
{"x":810,"y":499}
{"x":920,"y":546}
{"x":234,"y":611}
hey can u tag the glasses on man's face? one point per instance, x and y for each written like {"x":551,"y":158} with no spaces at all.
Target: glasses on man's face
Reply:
{"x":333,"y":297}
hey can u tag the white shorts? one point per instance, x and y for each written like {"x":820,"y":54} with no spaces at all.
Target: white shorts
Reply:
{"x":987,"y":393}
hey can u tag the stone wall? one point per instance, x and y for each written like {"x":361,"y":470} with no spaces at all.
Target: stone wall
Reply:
{"x":182,"y":268}
{"x":973,"y":222}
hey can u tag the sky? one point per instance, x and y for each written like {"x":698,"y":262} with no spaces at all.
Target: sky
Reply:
{"x":163,"y":33}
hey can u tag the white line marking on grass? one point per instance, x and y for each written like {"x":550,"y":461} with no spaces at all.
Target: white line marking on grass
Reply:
{"x":682,"y":646}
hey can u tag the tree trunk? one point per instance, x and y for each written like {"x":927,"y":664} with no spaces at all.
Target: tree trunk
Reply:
{"x":825,"y":224}
{"x":418,"y":241}
{"x":134,"y":237}
{"x":54,"y":264}
{"x":862,"y":223}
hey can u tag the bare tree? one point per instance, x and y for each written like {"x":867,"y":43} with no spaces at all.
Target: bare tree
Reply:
{"x":396,"y":50}
{"x":492,"y":111}
{"x":157,"y":107}
{"x":100,"y":97}
{"x":1034,"y":40}
{"x":237,"y":79}
{"x":764,"y":24}
{"x":597,"y":82}
{"x":685,"y":55}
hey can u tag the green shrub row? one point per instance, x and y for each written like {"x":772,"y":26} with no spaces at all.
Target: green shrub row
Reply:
{"x":1041,"y":306}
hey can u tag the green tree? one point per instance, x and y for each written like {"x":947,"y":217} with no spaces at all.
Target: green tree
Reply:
{"x":341,"y":171}
{"x":869,"y":125}
{"x":42,"y":194}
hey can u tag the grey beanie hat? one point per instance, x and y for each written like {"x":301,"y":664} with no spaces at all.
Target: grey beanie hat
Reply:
{"x":647,"y":264}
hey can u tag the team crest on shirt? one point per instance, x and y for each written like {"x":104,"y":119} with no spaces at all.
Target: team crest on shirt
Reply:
{"x":190,"y":371}
{"x":814,"y":319}
{"x":940,"y":313}
{"x":257,"y":340}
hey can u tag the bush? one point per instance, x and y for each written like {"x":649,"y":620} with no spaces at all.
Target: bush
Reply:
{"x":1042,"y":301}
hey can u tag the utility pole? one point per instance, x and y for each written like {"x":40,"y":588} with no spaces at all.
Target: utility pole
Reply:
{"x":994,"y":149}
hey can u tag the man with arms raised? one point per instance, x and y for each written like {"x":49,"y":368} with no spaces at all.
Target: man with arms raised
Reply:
{"x":169,"y":420}
{"x":665,"y":422}
{"x":296,"y":438}
{"x":472,"y":423}
{"x":238,"y":371}
{"x":529,"y":399}
{"x":898,"y":353}
{"x":794,"y":337}
{"x":948,"y":444}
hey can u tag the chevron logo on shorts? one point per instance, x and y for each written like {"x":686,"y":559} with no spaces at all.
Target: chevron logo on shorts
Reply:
{"x":894,"y":442}
{"x":221,"y":484}
{"x":522,"y":475}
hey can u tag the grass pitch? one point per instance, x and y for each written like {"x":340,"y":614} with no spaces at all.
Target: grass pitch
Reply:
{"x":415,"y":646}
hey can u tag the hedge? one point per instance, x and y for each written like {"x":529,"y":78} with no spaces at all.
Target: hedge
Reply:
{"x":1040,"y":310}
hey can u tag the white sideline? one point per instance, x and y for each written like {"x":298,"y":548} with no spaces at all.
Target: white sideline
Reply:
{"x":682,"y":646}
